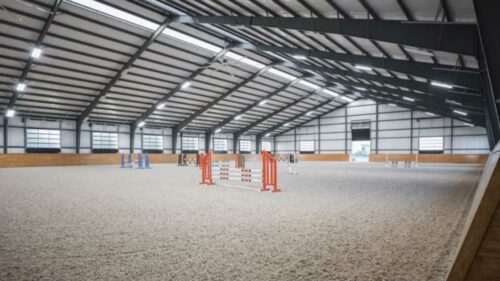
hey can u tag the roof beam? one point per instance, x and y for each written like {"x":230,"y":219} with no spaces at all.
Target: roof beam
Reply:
{"x":428,"y":100}
{"x":250,"y":106}
{"x":462,"y":77}
{"x":295,"y":117}
{"x":475,"y":98}
{"x":172,"y":92}
{"x":454,"y":38}
{"x":102,"y":93}
{"x":266,"y":117}
{"x":27,"y":67}
{"x":238,"y":86}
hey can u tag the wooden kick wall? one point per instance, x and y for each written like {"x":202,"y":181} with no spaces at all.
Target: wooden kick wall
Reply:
{"x":479,"y":256}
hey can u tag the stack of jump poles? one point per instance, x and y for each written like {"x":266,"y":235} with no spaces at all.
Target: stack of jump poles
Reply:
{"x":268,"y":175}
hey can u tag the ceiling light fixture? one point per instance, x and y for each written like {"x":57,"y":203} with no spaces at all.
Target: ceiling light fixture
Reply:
{"x":468,"y":124}
{"x":268,"y":134}
{"x":186,"y":85}
{"x":218,"y":130}
{"x":36,"y":53}
{"x":408,"y":99}
{"x":331,"y":93}
{"x":392,"y":104}
{"x":10,"y":113}
{"x":310,"y":113}
{"x":460,"y":112}
{"x":430,"y":114}
{"x":262,"y":102}
{"x":299,"y":57}
{"x":161,"y":105}
{"x":20,"y":87}
{"x":237,"y":117}
{"x":442,"y":85}
{"x":347,"y":99}
{"x":282,"y":74}
{"x":309,"y":84}
{"x":420,"y":52}
{"x":287,"y":124}
{"x":141,"y":124}
{"x":363,"y":67}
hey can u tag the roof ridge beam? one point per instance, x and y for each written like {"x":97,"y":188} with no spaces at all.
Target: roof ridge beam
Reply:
{"x":469,"y":77}
{"x":459,"y":38}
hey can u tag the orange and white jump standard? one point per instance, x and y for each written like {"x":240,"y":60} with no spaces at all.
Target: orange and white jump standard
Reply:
{"x":267,"y":176}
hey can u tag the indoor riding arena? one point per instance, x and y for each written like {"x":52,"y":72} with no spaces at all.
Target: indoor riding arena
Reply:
{"x":249,"y":140}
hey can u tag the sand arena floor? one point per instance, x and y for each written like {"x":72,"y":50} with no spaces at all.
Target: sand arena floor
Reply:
{"x":334,"y":221}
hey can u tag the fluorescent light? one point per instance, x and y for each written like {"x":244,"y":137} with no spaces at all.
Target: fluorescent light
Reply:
{"x":263,"y":102}
{"x":363,"y":67}
{"x":250,"y":62}
{"x":361,"y":88}
{"x":347,"y":99}
{"x":191,"y":40}
{"x":442,"y":85}
{"x":299,"y":57}
{"x":282,"y":74}
{"x":430,"y":114}
{"x":268,"y":134}
{"x":309,"y":84}
{"x":287,"y":124}
{"x":10,"y":113}
{"x":185,"y":85}
{"x":117,"y":13}
{"x":392,"y":104}
{"x":20,"y":87}
{"x":419,"y":51}
{"x":460,"y":112}
{"x":141,"y":124}
{"x":161,"y":105}
{"x":36,"y":53}
{"x":237,"y":117}
{"x":468,"y":124}
{"x":310,"y":113}
{"x":331,"y":93}
{"x":453,"y":102}
{"x":408,"y":99}
{"x":218,"y":130}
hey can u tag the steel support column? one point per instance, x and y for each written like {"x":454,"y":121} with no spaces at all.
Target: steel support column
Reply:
{"x":258,"y":143}
{"x":487,"y":22}
{"x":235,"y":143}
{"x":132,"y":138}
{"x":78,"y":136}
{"x":174,"y":141}
{"x":5,"y":134}
{"x":208,"y":136}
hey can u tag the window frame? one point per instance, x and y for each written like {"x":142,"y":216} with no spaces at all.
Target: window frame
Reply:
{"x":428,"y":149}
{"x":303,"y":151}
{"x":249,"y":146}
{"x":147,"y":146}
{"x":33,"y":145}
{"x":194,"y":149}
{"x":101,"y":147}
{"x":216,"y":147}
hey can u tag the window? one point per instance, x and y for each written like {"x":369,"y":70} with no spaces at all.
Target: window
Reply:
{"x":306,"y":146}
{"x":266,"y":145}
{"x":245,"y":146}
{"x":105,"y":142}
{"x":431,"y":145}
{"x":152,"y":143}
{"x":220,"y":145}
{"x":190,"y":144}
{"x":43,"y":140}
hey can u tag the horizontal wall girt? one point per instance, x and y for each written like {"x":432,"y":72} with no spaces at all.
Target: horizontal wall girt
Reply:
{"x":454,"y":38}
